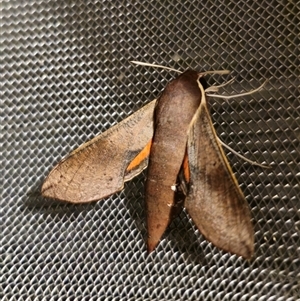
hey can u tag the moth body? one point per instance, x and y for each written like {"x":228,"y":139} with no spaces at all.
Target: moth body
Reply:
{"x":175,"y":137}
{"x":173,"y":113}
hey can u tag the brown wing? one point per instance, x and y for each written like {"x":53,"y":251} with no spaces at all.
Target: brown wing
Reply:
{"x":215,"y":202}
{"x":97,"y":169}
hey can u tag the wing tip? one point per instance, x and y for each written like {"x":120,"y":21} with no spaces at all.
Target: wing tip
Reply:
{"x":241,"y":248}
{"x":152,"y":244}
{"x":247,"y":252}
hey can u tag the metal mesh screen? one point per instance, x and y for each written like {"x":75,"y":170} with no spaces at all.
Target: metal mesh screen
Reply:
{"x":67,"y":77}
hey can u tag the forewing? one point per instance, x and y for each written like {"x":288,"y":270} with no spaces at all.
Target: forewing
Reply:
{"x":96,"y":169}
{"x":215,"y":202}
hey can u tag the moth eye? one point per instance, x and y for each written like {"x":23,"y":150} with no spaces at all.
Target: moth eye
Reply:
{"x":203,"y":83}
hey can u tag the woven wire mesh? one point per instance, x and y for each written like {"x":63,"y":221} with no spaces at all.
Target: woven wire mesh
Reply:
{"x":67,"y":77}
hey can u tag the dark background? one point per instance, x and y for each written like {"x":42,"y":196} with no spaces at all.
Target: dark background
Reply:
{"x":67,"y":77}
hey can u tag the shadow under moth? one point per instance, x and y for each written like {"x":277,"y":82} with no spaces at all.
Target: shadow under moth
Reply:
{"x":174,"y":137}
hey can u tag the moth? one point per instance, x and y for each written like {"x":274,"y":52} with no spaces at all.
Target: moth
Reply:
{"x":175,"y":138}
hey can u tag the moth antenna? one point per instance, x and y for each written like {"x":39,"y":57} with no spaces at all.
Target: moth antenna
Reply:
{"x":220,"y":72}
{"x":216,"y":88}
{"x":238,"y":95}
{"x":241,"y":156}
{"x":154,"y":65}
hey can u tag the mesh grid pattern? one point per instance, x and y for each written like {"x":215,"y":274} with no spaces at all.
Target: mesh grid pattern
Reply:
{"x":67,"y":77}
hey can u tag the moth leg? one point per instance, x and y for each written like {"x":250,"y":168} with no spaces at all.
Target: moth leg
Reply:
{"x":216,"y":88}
{"x":240,"y":94}
{"x":241,"y":156}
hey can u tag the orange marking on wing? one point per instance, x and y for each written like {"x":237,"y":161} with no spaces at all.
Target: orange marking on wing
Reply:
{"x":141,"y":156}
{"x":186,"y":169}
